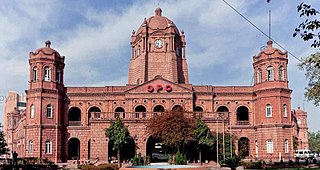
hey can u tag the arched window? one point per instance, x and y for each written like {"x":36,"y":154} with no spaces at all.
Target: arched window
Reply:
{"x":119,"y":111}
{"x":270,"y":73}
{"x":140,"y":109}
{"x":269,"y":146}
{"x":58,"y":76}
{"x":198,"y":109}
{"x":268,"y":110}
{"x":242,"y":115}
{"x":35,"y":74}
{"x":286,"y":146}
{"x":177,"y":108}
{"x":281,"y":73}
{"x":30,"y":148}
{"x":139,"y":50}
{"x":259,"y":76}
{"x":48,"y":149}
{"x":32,"y":111}
{"x":285,"y":111}
{"x":47,"y":76}
{"x":49,"y":111}
{"x":74,"y":116}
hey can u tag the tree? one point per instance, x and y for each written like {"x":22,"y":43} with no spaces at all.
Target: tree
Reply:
{"x":118,"y":135}
{"x":172,"y":128}
{"x":310,"y":28}
{"x":314,"y":141}
{"x":203,"y":136}
{"x":311,"y":65}
{"x":3,"y":144}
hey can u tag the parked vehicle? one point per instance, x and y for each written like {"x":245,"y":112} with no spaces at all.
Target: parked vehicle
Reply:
{"x":303,"y":154}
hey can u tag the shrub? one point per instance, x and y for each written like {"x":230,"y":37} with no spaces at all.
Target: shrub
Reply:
{"x":88,"y":167}
{"x":137,"y":160}
{"x":232,"y":162}
{"x":180,"y":159}
{"x":107,"y":167}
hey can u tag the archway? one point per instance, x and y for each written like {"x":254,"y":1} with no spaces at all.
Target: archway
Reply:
{"x":119,"y":111}
{"x":177,"y":108}
{"x":198,"y":109}
{"x":157,"y":151}
{"x":140,"y":111}
{"x":222,"y":109}
{"x":93,"y":109}
{"x":243,"y":147}
{"x":127,"y":151}
{"x":74,"y":149}
{"x":242,"y":115}
{"x":74,"y":116}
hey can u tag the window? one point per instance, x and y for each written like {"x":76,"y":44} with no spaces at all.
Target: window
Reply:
{"x":286,"y":146}
{"x":139,"y":51}
{"x":30,"y":147}
{"x":269,"y":146}
{"x":32,"y":111}
{"x":48,"y":147}
{"x":268,"y":110}
{"x":299,"y":121}
{"x":259,"y":76}
{"x":47,"y":74}
{"x":49,"y":111}
{"x":58,"y":76}
{"x":270,"y":73}
{"x":285,"y":111}
{"x":281,"y":73}
{"x":35,"y":74}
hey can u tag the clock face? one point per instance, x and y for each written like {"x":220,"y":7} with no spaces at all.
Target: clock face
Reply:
{"x":158,"y":43}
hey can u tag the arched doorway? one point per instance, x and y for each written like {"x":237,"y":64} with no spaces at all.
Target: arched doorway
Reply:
{"x":74,"y":149}
{"x":243,"y":147}
{"x":177,"y":108}
{"x":140,"y":111}
{"x":157,"y":151}
{"x":92,"y":110}
{"x":119,"y":112}
{"x":74,"y":116}
{"x":242,"y":115}
{"x":127,"y":151}
{"x":197,"y":111}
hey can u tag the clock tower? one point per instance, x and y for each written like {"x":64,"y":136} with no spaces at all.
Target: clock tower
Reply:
{"x":158,"y":49}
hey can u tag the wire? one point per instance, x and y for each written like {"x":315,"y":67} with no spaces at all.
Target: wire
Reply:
{"x":260,"y":30}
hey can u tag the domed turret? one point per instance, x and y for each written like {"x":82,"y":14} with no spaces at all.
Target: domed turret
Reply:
{"x":158,"y":49}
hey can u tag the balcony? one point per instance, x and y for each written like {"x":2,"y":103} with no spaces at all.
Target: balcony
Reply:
{"x":74,"y":123}
{"x":143,"y":116}
{"x":243,"y":122}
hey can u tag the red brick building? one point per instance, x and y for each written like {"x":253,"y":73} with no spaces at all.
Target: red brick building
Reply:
{"x":63,"y":123}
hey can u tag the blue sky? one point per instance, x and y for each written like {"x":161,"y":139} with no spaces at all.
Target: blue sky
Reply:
{"x":95,"y":38}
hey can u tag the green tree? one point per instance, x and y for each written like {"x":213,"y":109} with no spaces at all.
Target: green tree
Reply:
{"x":3,"y":144}
{"x":311,"y":65}
{"x":203,"y":136}
{"x":118,"y":135}
{"x":314,"y":141}
{"x":173,"y":128}
{"x":309,"y":29}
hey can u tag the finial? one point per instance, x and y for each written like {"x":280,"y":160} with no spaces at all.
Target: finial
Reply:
{"x":133,"y":32}
{"x":182,"y":31}
{"x":145,"y":21}
{"x":269,"y":43}
{"x":158,"y":12}
{"x":48,"y":43}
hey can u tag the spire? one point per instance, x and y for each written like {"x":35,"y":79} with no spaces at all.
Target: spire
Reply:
{"x":158,"y":12}
{"x":48,"y":43}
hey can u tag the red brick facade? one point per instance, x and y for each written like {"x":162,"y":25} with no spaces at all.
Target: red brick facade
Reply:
{"x":59,"y":119}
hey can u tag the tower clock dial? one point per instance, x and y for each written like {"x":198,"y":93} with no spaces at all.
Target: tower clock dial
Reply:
{"x":158,"y":43}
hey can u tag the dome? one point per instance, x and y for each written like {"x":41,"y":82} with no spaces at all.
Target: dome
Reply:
{"x":47,"y":49}
{"x":158,"y":22}
{"x":270,"y":50}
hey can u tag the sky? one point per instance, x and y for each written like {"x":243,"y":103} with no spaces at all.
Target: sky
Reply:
{"x":95,"y":38}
